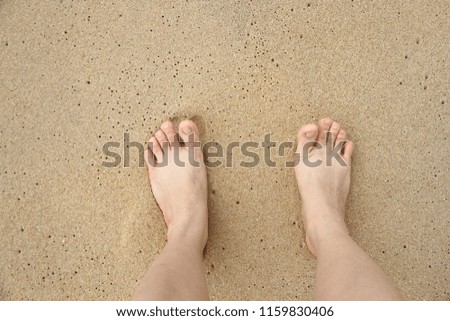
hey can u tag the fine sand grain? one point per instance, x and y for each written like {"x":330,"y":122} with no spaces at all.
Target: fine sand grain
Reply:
{"x":75,"y":75}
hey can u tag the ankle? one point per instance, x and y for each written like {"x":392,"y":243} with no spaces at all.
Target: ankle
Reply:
{"x":323,"y":222}
{"x":189,"y":238}
{"x":326,"y":237}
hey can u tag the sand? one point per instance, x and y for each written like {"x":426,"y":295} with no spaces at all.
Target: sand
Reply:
{"x":76,"y":75}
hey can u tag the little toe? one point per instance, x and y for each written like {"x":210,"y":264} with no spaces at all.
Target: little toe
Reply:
{"x":348,"y":151}
{"x":149,"y":158}
{"x":324,"y":128}
{"x":306,"y":137}
{"x":169,"y":130}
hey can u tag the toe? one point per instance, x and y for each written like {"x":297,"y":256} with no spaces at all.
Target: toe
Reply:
{"x":162,"y":140}
{"x":149,"y":157}
{"x":341,"y":138}
{"x":334,"y":130}
{"x":169,"y":130}
{"x":348,"y":151}
{"x":155,"y":151}
{"x":188,"y":131}
{"x":324,"y":128}
{"x":306,"y":136}
{"x":342,"y":135}
{"x":191,"y":138}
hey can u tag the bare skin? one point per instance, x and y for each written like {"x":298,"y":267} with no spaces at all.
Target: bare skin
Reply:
{"x":344,"y":270}
{"x":181,"y":192}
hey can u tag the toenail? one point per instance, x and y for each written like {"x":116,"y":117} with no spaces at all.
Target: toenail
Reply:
{"x":310,"y":134}
{"x":166,"y":125}
{"x":187,"y":130}
{"x":327,"y":121}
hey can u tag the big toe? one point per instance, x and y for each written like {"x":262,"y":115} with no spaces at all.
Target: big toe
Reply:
{"x":190,"y":136}
{"x":188,"y":131}
{"x":307,"y":137}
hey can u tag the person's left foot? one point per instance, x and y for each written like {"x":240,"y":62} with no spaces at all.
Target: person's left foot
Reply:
{"x":180,"y":190}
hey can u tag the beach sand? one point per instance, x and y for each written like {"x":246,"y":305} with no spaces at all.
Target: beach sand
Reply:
{"x":76,"y":75}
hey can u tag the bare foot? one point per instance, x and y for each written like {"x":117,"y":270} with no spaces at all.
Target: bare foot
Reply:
{"x":180,"y":190}
{"x":323,"y":188}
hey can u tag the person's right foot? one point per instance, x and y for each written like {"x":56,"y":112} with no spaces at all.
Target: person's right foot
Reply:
{"x":323,"y":188}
